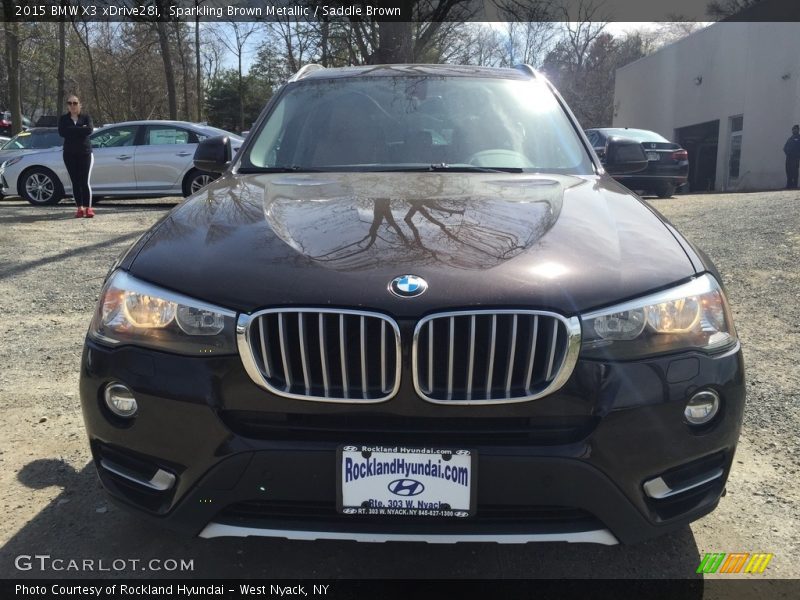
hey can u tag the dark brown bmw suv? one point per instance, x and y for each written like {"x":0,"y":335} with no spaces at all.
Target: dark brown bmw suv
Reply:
{"x":415,"y":307}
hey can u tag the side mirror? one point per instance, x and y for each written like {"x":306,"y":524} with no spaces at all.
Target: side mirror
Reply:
{"x":624,"y":156}
{"x":213,"y":154}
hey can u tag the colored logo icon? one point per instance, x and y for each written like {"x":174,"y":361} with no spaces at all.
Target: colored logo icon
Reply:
{"x":408,"y":286}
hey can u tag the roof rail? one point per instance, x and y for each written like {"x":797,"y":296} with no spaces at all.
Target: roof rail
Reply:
{"x":527,"y":69}
{"x":305,"y":70}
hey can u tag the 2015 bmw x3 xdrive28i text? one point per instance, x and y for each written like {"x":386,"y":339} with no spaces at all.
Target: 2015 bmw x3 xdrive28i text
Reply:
{"x":415,"y":307}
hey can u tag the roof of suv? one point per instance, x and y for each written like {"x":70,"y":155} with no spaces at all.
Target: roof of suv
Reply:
{"x":409,"y":70}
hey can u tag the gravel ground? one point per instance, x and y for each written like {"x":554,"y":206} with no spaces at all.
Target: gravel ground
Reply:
{"x":51,"y":268}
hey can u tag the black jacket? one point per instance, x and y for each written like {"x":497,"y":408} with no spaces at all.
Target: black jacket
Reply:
{"x":76,"y":135}
{"x":792,"y":147}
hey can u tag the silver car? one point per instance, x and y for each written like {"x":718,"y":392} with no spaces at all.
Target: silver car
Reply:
{"x":135,"y":158}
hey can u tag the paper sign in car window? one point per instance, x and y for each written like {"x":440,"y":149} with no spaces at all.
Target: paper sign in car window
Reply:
{"x":167,"y":136}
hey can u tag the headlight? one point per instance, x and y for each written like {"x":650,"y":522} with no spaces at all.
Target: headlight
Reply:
{"x":131,"y":311}
{"x":694,"y":315}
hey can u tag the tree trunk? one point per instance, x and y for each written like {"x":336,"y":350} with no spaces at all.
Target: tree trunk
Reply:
{"x":394,"y":43}
{"x":13,"y":69}
{"x":169,"y":73}
{"x":241,"y":94}
{"x":198,"y":84}
{"x":61,"y":92}
{"x":324,"y":37}
{"x":184,"y":69}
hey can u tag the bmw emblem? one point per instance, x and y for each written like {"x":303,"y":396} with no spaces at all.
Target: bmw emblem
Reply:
{"x":407,"y":286}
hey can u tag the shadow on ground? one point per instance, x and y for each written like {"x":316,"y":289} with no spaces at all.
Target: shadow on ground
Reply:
{"x":80,"y":524}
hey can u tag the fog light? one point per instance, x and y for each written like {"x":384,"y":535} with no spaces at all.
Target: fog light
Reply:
{"x":120,"y":400}
{"x":702,"y":407}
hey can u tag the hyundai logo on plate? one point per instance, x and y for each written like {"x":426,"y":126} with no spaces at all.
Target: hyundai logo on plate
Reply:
{"x":407,"y":286}
{"x":406,"y":487}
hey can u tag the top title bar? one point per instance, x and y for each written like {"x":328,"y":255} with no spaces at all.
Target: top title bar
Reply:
{"x":399,"y":10}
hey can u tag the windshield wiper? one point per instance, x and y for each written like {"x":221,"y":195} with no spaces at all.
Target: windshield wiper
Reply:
{"x":443,"y":167}
{"x":292,"y":169}
{"x":474,"y":169}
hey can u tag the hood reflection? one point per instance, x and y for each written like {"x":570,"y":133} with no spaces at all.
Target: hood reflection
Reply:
{"x":355,"y":223}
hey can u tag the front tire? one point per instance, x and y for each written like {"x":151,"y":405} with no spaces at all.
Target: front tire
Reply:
{"x":40,"y":187}
{"x":196,"y":180}
{"x":665,"y":190}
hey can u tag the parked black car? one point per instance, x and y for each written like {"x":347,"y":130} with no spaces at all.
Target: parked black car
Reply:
{"x":414,"y":307}
{"x":667,"y":167}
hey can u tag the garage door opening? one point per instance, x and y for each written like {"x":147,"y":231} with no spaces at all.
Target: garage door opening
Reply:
{"x":701,"y":141}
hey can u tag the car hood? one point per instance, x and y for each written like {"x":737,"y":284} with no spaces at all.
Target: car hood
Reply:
{"x":26,"y":152}
{"x":9,"y":154}
{"x":553,"y":242}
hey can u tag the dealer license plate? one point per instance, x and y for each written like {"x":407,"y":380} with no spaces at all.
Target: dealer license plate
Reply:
{"x":653,"y":156}
{"x":396,"y":480}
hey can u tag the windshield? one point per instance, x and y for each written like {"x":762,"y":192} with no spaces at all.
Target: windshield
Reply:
{"x":416,"y":122}
{"x":27,"y":140}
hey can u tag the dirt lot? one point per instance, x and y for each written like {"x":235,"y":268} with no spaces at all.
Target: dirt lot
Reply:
{"x":51,"y":268}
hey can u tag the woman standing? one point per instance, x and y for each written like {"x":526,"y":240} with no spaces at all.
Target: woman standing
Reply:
{"x":75,"y":127}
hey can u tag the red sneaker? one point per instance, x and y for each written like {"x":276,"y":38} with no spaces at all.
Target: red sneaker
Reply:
{"x":79,"y":214}
{"x":89,"y":213}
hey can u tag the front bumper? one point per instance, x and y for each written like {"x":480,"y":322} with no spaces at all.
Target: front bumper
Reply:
{"x":568,"y":467}
{"x":650,"y":182}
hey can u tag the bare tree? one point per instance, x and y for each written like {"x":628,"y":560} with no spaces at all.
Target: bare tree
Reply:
{"x":721,"y":9}
{"x":237,"y":45}
{"x":528,"y":42}
{"x":84,"y":40}
{"x":473,"y":44}
{"x":669,"y":32}
{"x":185,"y":76}
{"x":579,"y":34}
{"x":380,"y":42}
{"x":301,"y":40}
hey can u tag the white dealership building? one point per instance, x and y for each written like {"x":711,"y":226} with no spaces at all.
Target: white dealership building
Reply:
{"x":728,"y":93}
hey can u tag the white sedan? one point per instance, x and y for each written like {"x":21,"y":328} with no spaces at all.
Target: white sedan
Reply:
{"x":135,"y":158}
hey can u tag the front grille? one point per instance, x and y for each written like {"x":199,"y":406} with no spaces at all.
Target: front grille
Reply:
{"x":487,"y":357}
{"x":321,"y":354}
